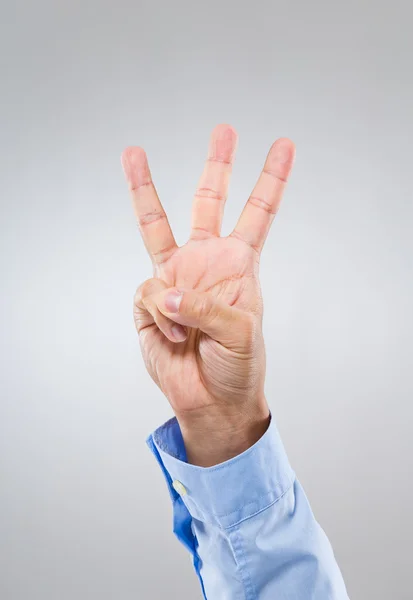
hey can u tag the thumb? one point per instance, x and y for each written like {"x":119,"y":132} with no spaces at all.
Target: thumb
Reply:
{"x":230,"y":326}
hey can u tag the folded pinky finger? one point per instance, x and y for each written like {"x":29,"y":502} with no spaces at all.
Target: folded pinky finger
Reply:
{"x":146,"y":312}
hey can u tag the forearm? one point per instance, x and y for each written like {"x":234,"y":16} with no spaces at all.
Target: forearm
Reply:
{"x":248,"y":523}
{"x":281,"y":552}
{"x":213,"y":436}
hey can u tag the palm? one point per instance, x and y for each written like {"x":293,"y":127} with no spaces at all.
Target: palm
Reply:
{"x":225,"y":267}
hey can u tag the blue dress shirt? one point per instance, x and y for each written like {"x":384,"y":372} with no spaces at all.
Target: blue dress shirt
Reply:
{"x":247,"y":523}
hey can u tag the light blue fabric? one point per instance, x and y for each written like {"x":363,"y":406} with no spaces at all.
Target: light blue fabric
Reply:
{"x":248,"y":524}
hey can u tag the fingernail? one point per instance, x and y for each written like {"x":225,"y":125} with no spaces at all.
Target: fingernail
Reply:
{"x":173,"y":300}
{"x":178,"y":332}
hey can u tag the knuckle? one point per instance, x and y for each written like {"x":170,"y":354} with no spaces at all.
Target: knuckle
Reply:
{"x":137,"y":298}
{"x":145,"y":289}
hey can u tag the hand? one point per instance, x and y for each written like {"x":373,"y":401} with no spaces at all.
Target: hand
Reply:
{"x":199,"y":318}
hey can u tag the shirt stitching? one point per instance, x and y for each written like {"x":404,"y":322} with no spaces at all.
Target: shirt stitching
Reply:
{"x":257,"y":512}
{"x":289,"y":483}
{"x":241,"y":559}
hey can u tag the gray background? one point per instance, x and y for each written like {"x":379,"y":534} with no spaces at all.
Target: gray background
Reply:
{"x":84,"y":510}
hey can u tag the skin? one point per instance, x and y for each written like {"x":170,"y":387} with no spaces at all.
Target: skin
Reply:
{"x":199,"y":318}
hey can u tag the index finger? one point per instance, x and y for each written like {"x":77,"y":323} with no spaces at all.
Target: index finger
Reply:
{"x":262,"y":206}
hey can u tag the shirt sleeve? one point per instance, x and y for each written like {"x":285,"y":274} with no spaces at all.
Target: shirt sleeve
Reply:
{"x":247,"y":523}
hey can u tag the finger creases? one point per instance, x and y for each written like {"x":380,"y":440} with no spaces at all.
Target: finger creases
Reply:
{"x":151,"y":217}
{"x":264,"y":201}
{"x":212,"y":189}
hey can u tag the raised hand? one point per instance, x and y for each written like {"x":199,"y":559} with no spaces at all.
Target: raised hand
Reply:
{"x":199,"y":318}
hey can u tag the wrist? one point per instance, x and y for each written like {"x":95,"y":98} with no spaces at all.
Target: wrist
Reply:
{"x":217,"y":434}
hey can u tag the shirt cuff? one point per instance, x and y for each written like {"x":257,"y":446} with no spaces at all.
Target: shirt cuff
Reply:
{"x":229,"y":492}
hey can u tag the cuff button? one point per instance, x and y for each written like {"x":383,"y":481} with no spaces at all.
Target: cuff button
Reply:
{"x":179,"y":487}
